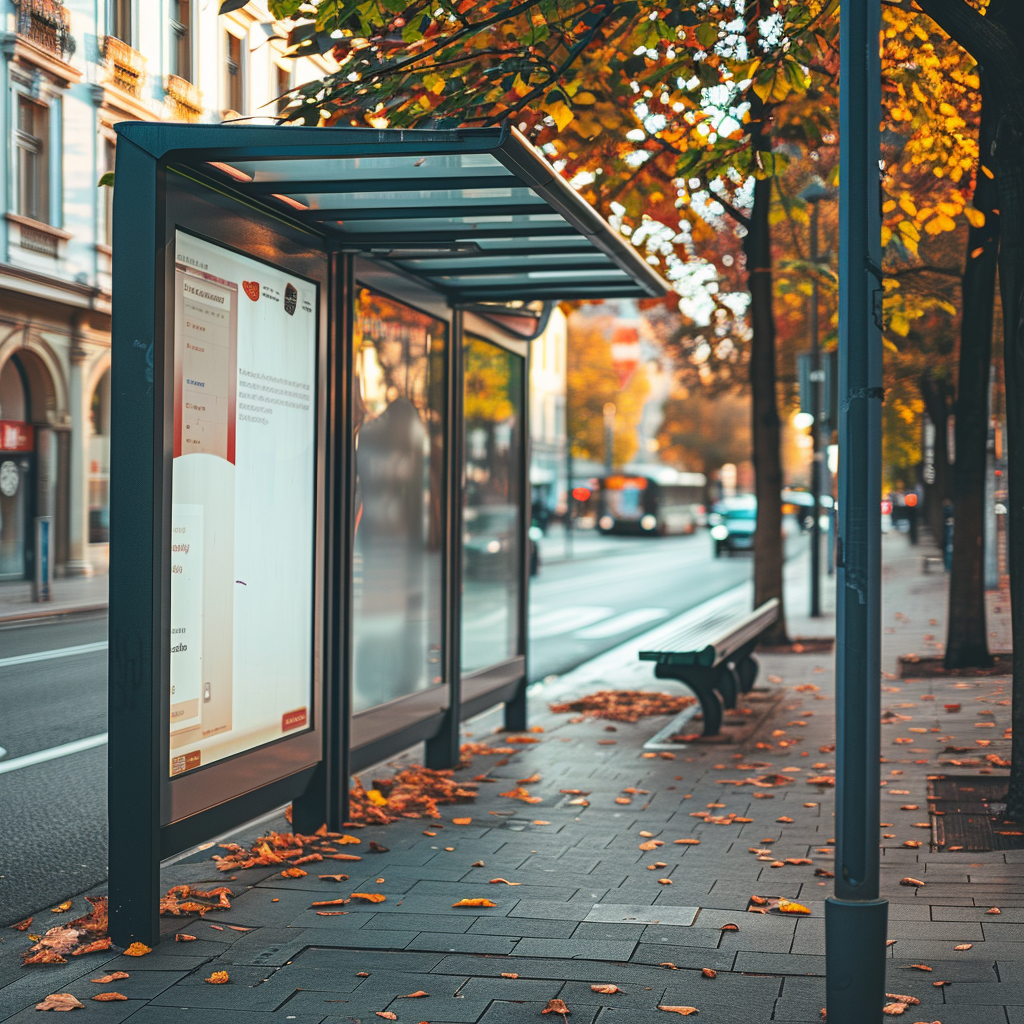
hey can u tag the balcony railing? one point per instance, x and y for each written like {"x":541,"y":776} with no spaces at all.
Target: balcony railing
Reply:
{"x":126,"y":67}
{"x":47,"y":24}
{"x":183,"y":98}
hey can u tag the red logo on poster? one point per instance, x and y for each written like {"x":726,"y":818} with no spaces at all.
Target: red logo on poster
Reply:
{"x":293,"y":719}
{"x":16,"y":436}
{"x":252,"y":289}
{"x":625,"y":351}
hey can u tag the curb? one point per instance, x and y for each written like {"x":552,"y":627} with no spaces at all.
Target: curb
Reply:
{"x":50,"y":613}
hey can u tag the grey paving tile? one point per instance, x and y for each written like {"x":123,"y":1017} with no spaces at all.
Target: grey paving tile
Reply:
{"x":521,"y":927}
{"x":575,"y":948}
{"x":502,"y":1012}
{"x":779,"y":963}
{"x":447,"y":942}
{"x":112,"y":1012}
{"x":697,"y":957}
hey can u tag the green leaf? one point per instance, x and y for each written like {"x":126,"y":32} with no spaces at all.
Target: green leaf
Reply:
{"x":707,"y":34}
{"x":227,"y":6}
{"x":107,"y":180}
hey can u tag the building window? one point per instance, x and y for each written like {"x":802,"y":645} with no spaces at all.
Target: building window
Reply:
{"x":121,"y":20}
{"x":282,"y":84}
{"x":234,"y":86}
{"x":32,"y":141}
{"x":181,"y":39}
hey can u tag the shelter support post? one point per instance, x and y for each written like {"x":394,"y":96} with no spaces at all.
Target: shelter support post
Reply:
{"x":855,"y":918}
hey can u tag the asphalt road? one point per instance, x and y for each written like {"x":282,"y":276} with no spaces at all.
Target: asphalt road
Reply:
{"x":53,"y":813}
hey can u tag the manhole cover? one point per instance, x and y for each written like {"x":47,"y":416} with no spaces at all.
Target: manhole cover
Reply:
{"x":966,"y":815}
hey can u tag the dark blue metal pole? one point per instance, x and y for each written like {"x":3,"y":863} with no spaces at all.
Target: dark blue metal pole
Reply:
{"x":855,"y":918}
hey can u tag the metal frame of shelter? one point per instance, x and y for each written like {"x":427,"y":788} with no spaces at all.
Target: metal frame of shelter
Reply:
{"x":453,"y":224}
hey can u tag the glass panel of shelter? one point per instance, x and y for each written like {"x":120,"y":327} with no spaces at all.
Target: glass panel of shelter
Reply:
{"x":399,"y":423}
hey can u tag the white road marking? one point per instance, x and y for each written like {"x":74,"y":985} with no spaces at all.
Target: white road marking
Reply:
{"x":621,"y":623}
{"x":565,"y":620}
{"x":60,"y":652}
{"x":53,"y":753}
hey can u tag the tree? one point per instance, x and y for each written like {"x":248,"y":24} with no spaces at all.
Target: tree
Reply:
{"x":662,"y":113}
{"x":592,"y":383}
{"x":995,"y":38}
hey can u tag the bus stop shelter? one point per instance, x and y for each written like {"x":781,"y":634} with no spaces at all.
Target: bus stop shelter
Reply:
{"x":319,"y":461}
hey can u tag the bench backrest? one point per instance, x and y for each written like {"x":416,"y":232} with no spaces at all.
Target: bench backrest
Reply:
{"x":714,"y":639}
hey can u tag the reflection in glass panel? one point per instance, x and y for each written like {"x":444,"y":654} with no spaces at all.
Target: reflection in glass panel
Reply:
{"x":399,"y":364}
{"x":492,"y":523}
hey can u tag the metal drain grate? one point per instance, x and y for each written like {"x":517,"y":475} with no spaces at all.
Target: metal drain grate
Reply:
{"x":965,"y":812}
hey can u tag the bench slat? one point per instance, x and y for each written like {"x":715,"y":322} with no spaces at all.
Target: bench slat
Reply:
{"x":712,"y":641}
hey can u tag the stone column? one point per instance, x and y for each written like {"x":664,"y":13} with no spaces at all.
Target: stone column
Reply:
{"x":78,"y":461}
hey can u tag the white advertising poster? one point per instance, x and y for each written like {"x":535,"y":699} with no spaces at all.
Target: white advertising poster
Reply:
{"x":243,"y":504}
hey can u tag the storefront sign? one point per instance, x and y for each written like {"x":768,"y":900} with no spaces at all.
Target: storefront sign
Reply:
{"x":16,"y":436}
{"x":244,"y":491}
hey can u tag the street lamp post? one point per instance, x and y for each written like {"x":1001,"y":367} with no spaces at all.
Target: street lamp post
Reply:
{"x":855,"y":918}
{"x":813,"y":194}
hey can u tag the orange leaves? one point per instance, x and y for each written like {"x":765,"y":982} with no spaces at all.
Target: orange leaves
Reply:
{"x":108,"y":978}
{"x":109,"y":997}
{"x":709,"y":972}
{"x":683,"y":1011}
{"x":60,"y":1001}
{"x":625,"y":705}
{"x":790,"y":907}
{"x":87,"y":934}
{"x":605,"y":990}
{"x":509,"y":974}
{"x":61,"y":908}
{"x":687,"y":842}
{"x":184,"y":899}
{"x":415,"y":995}
{"x":329,"y":903}
{"x":333,"y":878}
{"x":556,"y":1006}
{"x":503,"y":881}
{"x":413,"y":792}
{"x":293,"y":873}
{"x":218,"y":978}
{"x":911,"y":881}
{"x":369,"y":897}
{"x":22,"y":926}
{"x":462,"y":821}
{"x":474,"y":903}
{"x":387,"y":1014}
{"x":137,"y":949}
{"x":963,"y":946}
{"x":651,"y":844}
{"x":182,"y":937}
{"x":519,"y":793}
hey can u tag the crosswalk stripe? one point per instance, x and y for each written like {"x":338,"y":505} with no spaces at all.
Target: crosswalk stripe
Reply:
{"x":565,"y":620}
{"x":60,"y":652}
{"x":621,"y":623}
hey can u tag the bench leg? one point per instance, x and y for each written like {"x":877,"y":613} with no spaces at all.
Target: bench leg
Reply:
{"x":728,"y":683}
{"x":702,"y":682}
{"x":747,"y":669}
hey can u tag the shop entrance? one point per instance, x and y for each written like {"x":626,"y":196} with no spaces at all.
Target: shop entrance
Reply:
{"x":16,"y":475}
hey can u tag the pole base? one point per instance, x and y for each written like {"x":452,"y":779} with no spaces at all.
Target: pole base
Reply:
{"x":855,"y":956}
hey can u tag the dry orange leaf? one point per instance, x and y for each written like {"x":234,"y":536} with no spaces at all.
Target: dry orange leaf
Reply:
{"x":920,"y":967}
{"x":60,"y":1001}
{"x":605,"y":990}
{"x":333,"y":878}
{"x":664,"y":881}
{"x":894,"y":1009}
{"x":217,"y":978}
{"x":370,"y":897}
{"x":683,"y":1011}
{"x":789,"y":907}
{"x":109,"y":997}
{"x":730,"y":928}
{"x":418,"y":994}
{"x":387,"y":1015}
{"x":687,"y":842}
{"x":906,"y":1000}
{"x":651,"y":844}
{"x":329,"y":903}
{"x":182,"y":937}
{"x":108,"y":978}
{"x":556,"y":1006}
{"x":66,"y":905}
{"x":510,"y":975}
{"x":964,"y":945}
{"x":137,"y":949}
{"x":22,"y":926}
{"x":993,"y":910}
{"x":708,"y":972}
{"x":504,"y":881}
{"x":461,"y":821}
{"x":911,"y":881}
{"x":474,"y":903}
{"x":293,"y":873}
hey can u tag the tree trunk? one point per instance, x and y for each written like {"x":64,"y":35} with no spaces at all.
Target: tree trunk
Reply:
{"x":966,"y":627}
{"x":768,"y":540}
{"x":996,"y":41}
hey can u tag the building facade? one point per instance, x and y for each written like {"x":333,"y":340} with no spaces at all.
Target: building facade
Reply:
{"x":547,"y":417}
{"x":70,"y":73}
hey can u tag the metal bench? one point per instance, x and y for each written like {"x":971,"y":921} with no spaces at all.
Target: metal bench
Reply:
{"x":715,"y":659}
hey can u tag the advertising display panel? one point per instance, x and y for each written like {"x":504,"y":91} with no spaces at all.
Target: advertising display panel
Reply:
{"x":243,"y":504}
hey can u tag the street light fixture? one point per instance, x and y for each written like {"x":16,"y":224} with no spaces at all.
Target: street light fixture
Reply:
{"x":814,"y":191}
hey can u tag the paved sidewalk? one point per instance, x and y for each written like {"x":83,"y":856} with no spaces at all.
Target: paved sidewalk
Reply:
{"x":589,"y":907}
{"x":71,"y":595}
